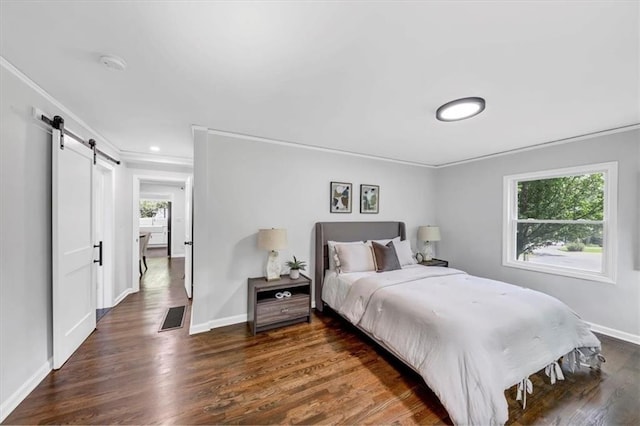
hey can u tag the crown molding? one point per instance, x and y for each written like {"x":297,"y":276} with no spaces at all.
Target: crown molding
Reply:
{"x":134,"y":157}
{"x":195,"y":128}
{"x":66,"y":111}
{"x":562,"y":141}
{"x":141,"y":158}
{"x":590,"y":135}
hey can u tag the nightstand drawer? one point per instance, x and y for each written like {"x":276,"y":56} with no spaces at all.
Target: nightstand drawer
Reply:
{"x":283,"y":309}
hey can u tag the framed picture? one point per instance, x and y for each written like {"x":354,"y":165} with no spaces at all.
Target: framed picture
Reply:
{"x":340,"y":197}
{"x":369,"y":198}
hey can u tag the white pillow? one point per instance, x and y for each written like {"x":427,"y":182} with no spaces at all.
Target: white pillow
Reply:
{"x":355,"y":258}
{"x":405,"y":255}
{"x":332,"y":252}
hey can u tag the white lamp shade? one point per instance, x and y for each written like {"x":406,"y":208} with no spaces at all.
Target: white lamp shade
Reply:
{"x":429,"y":233}
{"x":272,"y":239}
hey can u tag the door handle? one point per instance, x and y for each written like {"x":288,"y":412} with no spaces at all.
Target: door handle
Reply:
{"x":188,"y":243}
{"x":99,"y":247}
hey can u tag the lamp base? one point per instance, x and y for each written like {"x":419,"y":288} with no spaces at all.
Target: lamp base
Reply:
{"x":273,"y":266}
{"x":428,"y":252}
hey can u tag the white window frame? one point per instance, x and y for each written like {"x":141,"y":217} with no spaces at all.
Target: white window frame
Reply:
{"x":609,"y":222}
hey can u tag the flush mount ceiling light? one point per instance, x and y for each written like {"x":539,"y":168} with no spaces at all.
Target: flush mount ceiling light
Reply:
{"x":460,"y":109}
{"x":113,"y":62}
{"x":154,"y":148}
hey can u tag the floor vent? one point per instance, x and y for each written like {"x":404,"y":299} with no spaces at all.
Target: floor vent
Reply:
{"x":173,"y":319}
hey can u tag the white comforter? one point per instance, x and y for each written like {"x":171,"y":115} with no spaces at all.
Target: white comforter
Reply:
{"x":470,"y":338}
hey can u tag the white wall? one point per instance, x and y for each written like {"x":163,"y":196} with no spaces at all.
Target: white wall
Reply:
{"x":241,"y":186}
{"x":176,"y":194}
{"x":25,"y":242}
{"x":469,"y":212}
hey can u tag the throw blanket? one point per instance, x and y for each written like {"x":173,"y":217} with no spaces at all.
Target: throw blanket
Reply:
{"x":470,"y":338}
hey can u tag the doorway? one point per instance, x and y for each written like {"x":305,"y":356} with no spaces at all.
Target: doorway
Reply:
{"x":162,"y":214}
{"x":155,"y":225}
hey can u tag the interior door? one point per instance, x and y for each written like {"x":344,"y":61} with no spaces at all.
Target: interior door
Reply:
{"x":104,"y":231}
{"x":188,"y":237}
{"x":73,"y":292}
{"x":99,"y":234}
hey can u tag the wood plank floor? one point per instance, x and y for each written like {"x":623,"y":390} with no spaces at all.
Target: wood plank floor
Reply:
{"x":324,"y":372}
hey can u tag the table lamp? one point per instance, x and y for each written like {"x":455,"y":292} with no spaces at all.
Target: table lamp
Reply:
{"x":427,"y":234}
{"x":272,"y":240}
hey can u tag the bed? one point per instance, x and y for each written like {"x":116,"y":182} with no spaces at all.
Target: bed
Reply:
{"x":470,"y":338}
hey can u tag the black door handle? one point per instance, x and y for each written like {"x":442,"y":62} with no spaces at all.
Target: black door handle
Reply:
{"x":188,"y":243}
{"x":99,"y":246}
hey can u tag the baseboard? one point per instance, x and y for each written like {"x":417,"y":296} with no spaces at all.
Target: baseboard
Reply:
{"x":199,"y":328}
{"x":23,"y":391}
{"x":612,"y":332}
{"x":221,"y":322}
{"x":122,"y":296}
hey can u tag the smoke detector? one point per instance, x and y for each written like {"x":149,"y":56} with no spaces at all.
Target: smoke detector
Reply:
{"x":113,"y":62}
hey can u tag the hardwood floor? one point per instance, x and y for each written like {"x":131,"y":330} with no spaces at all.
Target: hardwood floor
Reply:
{"x":322,"y":372}
{"x":157,"y":252}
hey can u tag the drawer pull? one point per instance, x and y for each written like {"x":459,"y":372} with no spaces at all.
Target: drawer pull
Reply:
{"x":283,"y":310}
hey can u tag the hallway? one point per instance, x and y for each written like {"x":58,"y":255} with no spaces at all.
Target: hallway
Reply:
{"x":116,"y":371}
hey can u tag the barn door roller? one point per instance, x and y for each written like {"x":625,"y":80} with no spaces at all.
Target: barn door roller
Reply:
{"x":58,"y":123}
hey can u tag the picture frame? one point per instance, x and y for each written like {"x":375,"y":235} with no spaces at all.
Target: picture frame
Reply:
{"x":340,"y":198}
{"x":369,"y":199}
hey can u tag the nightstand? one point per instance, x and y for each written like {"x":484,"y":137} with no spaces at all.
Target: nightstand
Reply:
{"x":267,"y":312}
{"x":435,"y":262}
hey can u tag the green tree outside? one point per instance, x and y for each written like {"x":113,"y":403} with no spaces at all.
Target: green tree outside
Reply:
{"x":564,"y":198}
{"x":149,"y":208}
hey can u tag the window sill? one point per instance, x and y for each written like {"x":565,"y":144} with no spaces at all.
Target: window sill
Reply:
{"x":566,"y":272}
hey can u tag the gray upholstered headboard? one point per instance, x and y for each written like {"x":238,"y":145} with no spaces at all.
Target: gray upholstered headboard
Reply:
{"x":347,"y":231}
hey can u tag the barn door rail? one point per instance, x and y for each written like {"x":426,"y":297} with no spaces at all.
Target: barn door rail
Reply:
{"x":58,"y":123}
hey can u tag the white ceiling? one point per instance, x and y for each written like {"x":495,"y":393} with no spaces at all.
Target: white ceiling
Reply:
{"x":363,"y":77}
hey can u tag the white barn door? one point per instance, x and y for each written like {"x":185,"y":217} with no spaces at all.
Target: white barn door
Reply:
{"x":73,"y":292}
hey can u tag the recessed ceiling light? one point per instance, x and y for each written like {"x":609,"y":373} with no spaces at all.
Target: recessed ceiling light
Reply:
{"x":460,"y":109}
{"x":113,"y":62}
{"x":154,"y":148}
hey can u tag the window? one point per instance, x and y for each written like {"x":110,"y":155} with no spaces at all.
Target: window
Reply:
{"x":153,"y":209}
{"x":562,"y":221}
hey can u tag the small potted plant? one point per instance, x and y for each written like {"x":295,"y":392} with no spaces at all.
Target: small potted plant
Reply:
{"x":295,"y":266}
